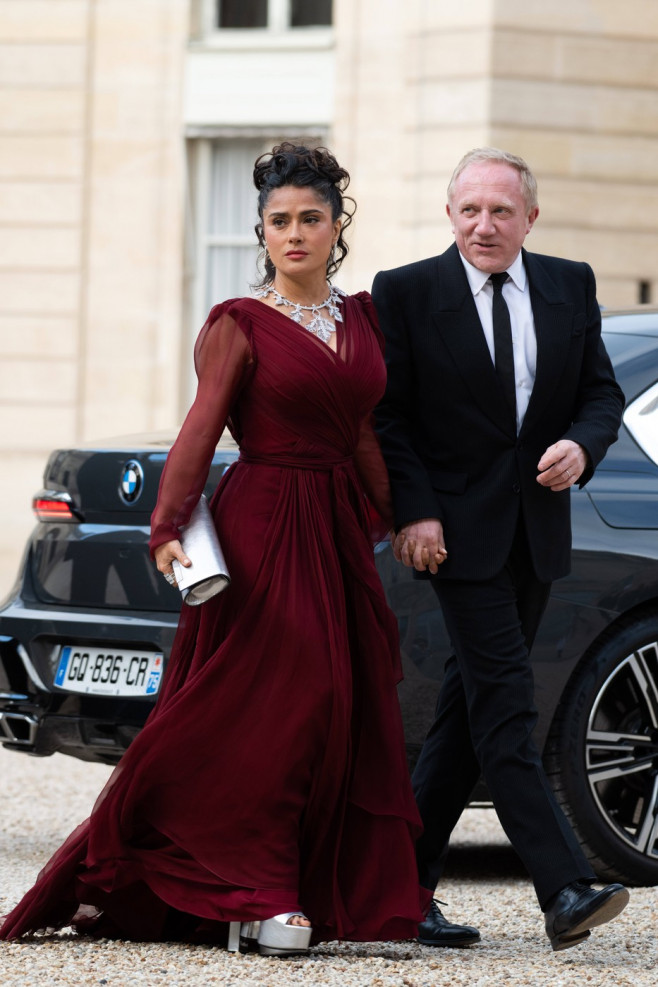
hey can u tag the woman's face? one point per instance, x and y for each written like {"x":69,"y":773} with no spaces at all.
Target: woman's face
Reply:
{"x":299,"y":231}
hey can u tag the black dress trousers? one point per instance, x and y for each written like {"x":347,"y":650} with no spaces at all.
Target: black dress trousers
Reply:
{"x":484,"y":721}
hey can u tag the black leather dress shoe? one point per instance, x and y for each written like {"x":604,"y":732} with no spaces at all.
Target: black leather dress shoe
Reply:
{"x":436,"y":930}
{"x":578,"y":908}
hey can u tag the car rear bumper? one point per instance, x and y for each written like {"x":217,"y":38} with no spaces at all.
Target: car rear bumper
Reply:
{"x":30,"y":730}
{"x":40,"y":719}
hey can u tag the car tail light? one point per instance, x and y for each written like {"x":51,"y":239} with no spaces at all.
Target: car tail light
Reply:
{"x":53,"y":506}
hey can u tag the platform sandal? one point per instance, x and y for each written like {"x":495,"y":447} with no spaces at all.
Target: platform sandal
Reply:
{"x":272,"y":936}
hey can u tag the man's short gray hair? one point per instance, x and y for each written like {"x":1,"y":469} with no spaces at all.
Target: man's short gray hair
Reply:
{"x":528,"y":180}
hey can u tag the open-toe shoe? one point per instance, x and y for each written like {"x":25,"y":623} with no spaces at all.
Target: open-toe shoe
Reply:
{"x":276,"y":937}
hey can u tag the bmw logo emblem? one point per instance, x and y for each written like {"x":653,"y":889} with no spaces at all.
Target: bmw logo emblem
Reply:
{"x":132,"y":481}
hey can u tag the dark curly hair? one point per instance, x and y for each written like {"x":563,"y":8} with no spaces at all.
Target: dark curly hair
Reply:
{"x":304,"y":167}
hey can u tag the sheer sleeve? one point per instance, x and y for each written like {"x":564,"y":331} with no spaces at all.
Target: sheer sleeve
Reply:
{"x":222,"y":357}
{"x":373,"y":474}
{"x":368,"y":458}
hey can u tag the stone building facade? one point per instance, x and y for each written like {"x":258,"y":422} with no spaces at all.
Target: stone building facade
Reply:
{"x":127,"y":131}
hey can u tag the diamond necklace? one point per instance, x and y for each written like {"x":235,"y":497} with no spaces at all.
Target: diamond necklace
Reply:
{"x":317,"y":324}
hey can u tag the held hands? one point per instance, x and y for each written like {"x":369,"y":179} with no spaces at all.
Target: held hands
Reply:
{"x":164,"y":556}
{"x":561,"y":465}
{"x":420,"y":544}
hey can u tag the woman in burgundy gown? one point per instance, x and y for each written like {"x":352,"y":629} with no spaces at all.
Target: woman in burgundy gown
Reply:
{"x":270,"y":779}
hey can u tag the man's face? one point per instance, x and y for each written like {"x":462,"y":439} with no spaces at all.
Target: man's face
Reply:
{"x":489,"y":215}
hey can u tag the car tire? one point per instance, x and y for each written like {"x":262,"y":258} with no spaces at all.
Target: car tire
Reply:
{"x":602,"y":752}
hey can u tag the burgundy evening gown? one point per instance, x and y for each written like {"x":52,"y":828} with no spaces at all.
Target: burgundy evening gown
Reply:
{"x":271,"y":775}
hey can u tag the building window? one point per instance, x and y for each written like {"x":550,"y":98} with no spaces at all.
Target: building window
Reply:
{"x":230,"y":241}
{"x":273,"y":14}
{"x":310,"y":13}
{"x":242,"y":13}
{"x":644,"y":292}
{"x":221,"y":245}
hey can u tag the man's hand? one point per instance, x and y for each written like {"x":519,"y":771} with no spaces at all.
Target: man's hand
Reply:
{"x":561,"y":465}
{"x":420,"y":544}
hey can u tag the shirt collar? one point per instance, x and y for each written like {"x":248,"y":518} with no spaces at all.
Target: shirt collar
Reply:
{"x":477,"y":279}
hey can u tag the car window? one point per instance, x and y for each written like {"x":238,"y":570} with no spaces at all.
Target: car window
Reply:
{"x":623,"y":346}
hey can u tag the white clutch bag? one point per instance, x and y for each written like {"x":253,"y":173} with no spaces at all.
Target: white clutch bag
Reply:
{"x":208,"y":574}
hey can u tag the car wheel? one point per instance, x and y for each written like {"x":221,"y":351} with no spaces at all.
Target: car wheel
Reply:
{"x":602,"y":753}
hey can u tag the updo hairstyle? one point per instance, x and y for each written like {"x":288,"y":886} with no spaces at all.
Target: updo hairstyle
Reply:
{"x":304,"y":167}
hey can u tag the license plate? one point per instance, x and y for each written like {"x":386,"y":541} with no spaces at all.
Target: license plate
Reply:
{"x":101,"y":672}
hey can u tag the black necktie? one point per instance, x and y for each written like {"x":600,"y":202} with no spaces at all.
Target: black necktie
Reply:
{"x":503,"y":348}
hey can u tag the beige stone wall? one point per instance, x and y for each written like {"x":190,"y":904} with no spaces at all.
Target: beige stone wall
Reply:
{"x":580,"y":101}
{"x":571,"y":85}
{"x":91,"y":206}
{"x":412,"y":93}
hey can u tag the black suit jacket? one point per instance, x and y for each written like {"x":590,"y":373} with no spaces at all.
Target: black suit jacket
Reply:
{"x":446,"y":431}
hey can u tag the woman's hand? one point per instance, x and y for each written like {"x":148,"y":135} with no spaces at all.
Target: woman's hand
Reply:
{"x":164,"y":556}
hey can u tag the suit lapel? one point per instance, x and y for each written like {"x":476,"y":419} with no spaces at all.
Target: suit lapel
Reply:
{"x":456,"y":319}
{"x":553,"y":317}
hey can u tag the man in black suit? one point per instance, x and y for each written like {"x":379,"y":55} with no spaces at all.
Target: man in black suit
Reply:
{"x":500,"y":397}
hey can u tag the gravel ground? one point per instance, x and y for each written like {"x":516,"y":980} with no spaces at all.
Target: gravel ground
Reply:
{"x":42,"y":800}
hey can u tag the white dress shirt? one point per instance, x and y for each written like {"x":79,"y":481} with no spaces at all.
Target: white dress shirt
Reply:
{"x":517,"y":295}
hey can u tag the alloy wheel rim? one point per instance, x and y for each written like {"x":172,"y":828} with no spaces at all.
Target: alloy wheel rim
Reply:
{"x":621,"y":751}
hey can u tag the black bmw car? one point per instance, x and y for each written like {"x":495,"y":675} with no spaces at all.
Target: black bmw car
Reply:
{"x":86,"y":630}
